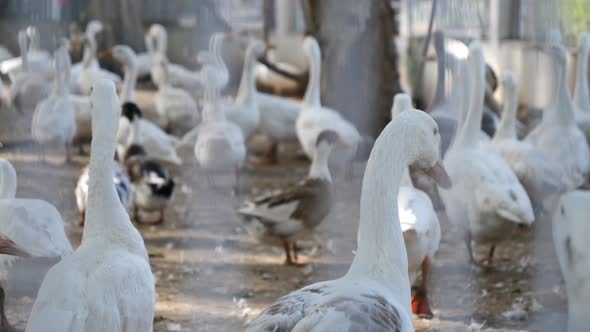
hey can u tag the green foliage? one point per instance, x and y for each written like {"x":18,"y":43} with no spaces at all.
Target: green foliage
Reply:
{"x":576,"y":16}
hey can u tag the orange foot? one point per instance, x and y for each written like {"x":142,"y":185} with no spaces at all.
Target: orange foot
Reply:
{"x":420,"y":307}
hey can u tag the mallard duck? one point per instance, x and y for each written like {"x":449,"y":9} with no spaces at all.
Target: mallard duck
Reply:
{"x":298,"y":209}
{"x":152,"y":183}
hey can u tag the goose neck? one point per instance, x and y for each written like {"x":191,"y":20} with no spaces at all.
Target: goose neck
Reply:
{"x":468,"y":135}
{"x":22,"y":45}
{"x":89,"y":52}
{"x":561,"y":109}
{"x":381,"y":253}
{"x":8,"y":181}
{"x":162,"y":41}
{"x":106,"y":219}
{"x":581,"y":94}
{"x":247,"y":89}
{"x":439,"y":95}
{"x":507,"y":127}
{"x":129,"y":80}
{"x":312,"y":92}
{"x":319,"y":163}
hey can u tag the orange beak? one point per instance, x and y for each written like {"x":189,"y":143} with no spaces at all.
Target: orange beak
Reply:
{"x":108,"y":54}
{"x":8,"y":247}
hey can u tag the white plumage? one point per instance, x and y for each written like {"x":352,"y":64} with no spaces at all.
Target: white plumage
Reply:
{"x":500,"y":202}
{"x":175,"y":107}
{"x":38,"y":61}
{"x":570,"y":229}
{"x":581,"y":92}
{"x":244,"y":111}
{"x":54,"y":119}
{"x":375,"y":293}
{"x":314,"y":118}
{"x":540,"y":175}
{"x":34,"y":224}
{"x":28,"y":88}
{"x":156,"y":142}
{"x":107,"y":284}
{"x":557,"y":134}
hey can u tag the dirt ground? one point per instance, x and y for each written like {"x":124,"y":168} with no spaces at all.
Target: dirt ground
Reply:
{"x":212,"y":275}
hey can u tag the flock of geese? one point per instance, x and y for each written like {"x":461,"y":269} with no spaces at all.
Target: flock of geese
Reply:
{"x":493,"y":184}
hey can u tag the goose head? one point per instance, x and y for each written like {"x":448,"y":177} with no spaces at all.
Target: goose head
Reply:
{"x":508,"y":81}
{"x":326,"y":141}
{"x":33,"y":34}
{"x":103,"y":98}
{"x":257,"y":48}
{"x":311,"y":47}
{"x":7,"y":180}
{"x":557,"y":53}
{"x":93,"y":27}
{"x":401,"y":102}
{"x":161,"y":37}
{"x":8,"y":247}
{"x":425,"y":151}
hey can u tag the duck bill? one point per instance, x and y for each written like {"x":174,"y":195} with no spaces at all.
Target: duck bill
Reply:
{"x":108,"y":54}
{"x":8,"y":247}
{"x":439,"y":174}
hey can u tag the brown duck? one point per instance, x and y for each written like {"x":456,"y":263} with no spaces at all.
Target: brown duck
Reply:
{"x":286,"y":214}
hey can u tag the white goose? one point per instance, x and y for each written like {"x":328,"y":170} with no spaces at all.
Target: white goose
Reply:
{"x":175,"y":107}
{"x":92,"y":28}
{"x":144,"y":59}
{"x":500,"y":202}
{"x":315,"y":118}
{"x":81,"y":104}
{"x":581,"y":93}
{"x":107,"y":284}
{"x":244,"y":110}
{"x":28,"y":88}
{"x":298,"y":209}
{"x":540,"y":175}
{"x":122,"y":185}
{"x":375,"y":292}
{"x":278,"y":116}
{"x":220,"y":145}
{"x":179,"y":76}
{"x":557,"y":134}
{"x":90,"y":73}
{"x":38,"y":61}
{"x":570,"y":226}
{"x":419,"y":224}
{"x":54,"y":120}
{"x":35,"y":224}
{"x":156,"y":142}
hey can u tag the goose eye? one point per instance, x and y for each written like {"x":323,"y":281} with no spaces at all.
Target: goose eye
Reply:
{"x":435,"y":131}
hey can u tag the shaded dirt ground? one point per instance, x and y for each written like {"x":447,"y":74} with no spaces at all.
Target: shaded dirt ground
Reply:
{"x":213,"y":276}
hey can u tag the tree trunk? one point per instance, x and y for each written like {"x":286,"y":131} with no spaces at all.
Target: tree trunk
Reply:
{"x":122,"y":20}
{"x":359,"y":60}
